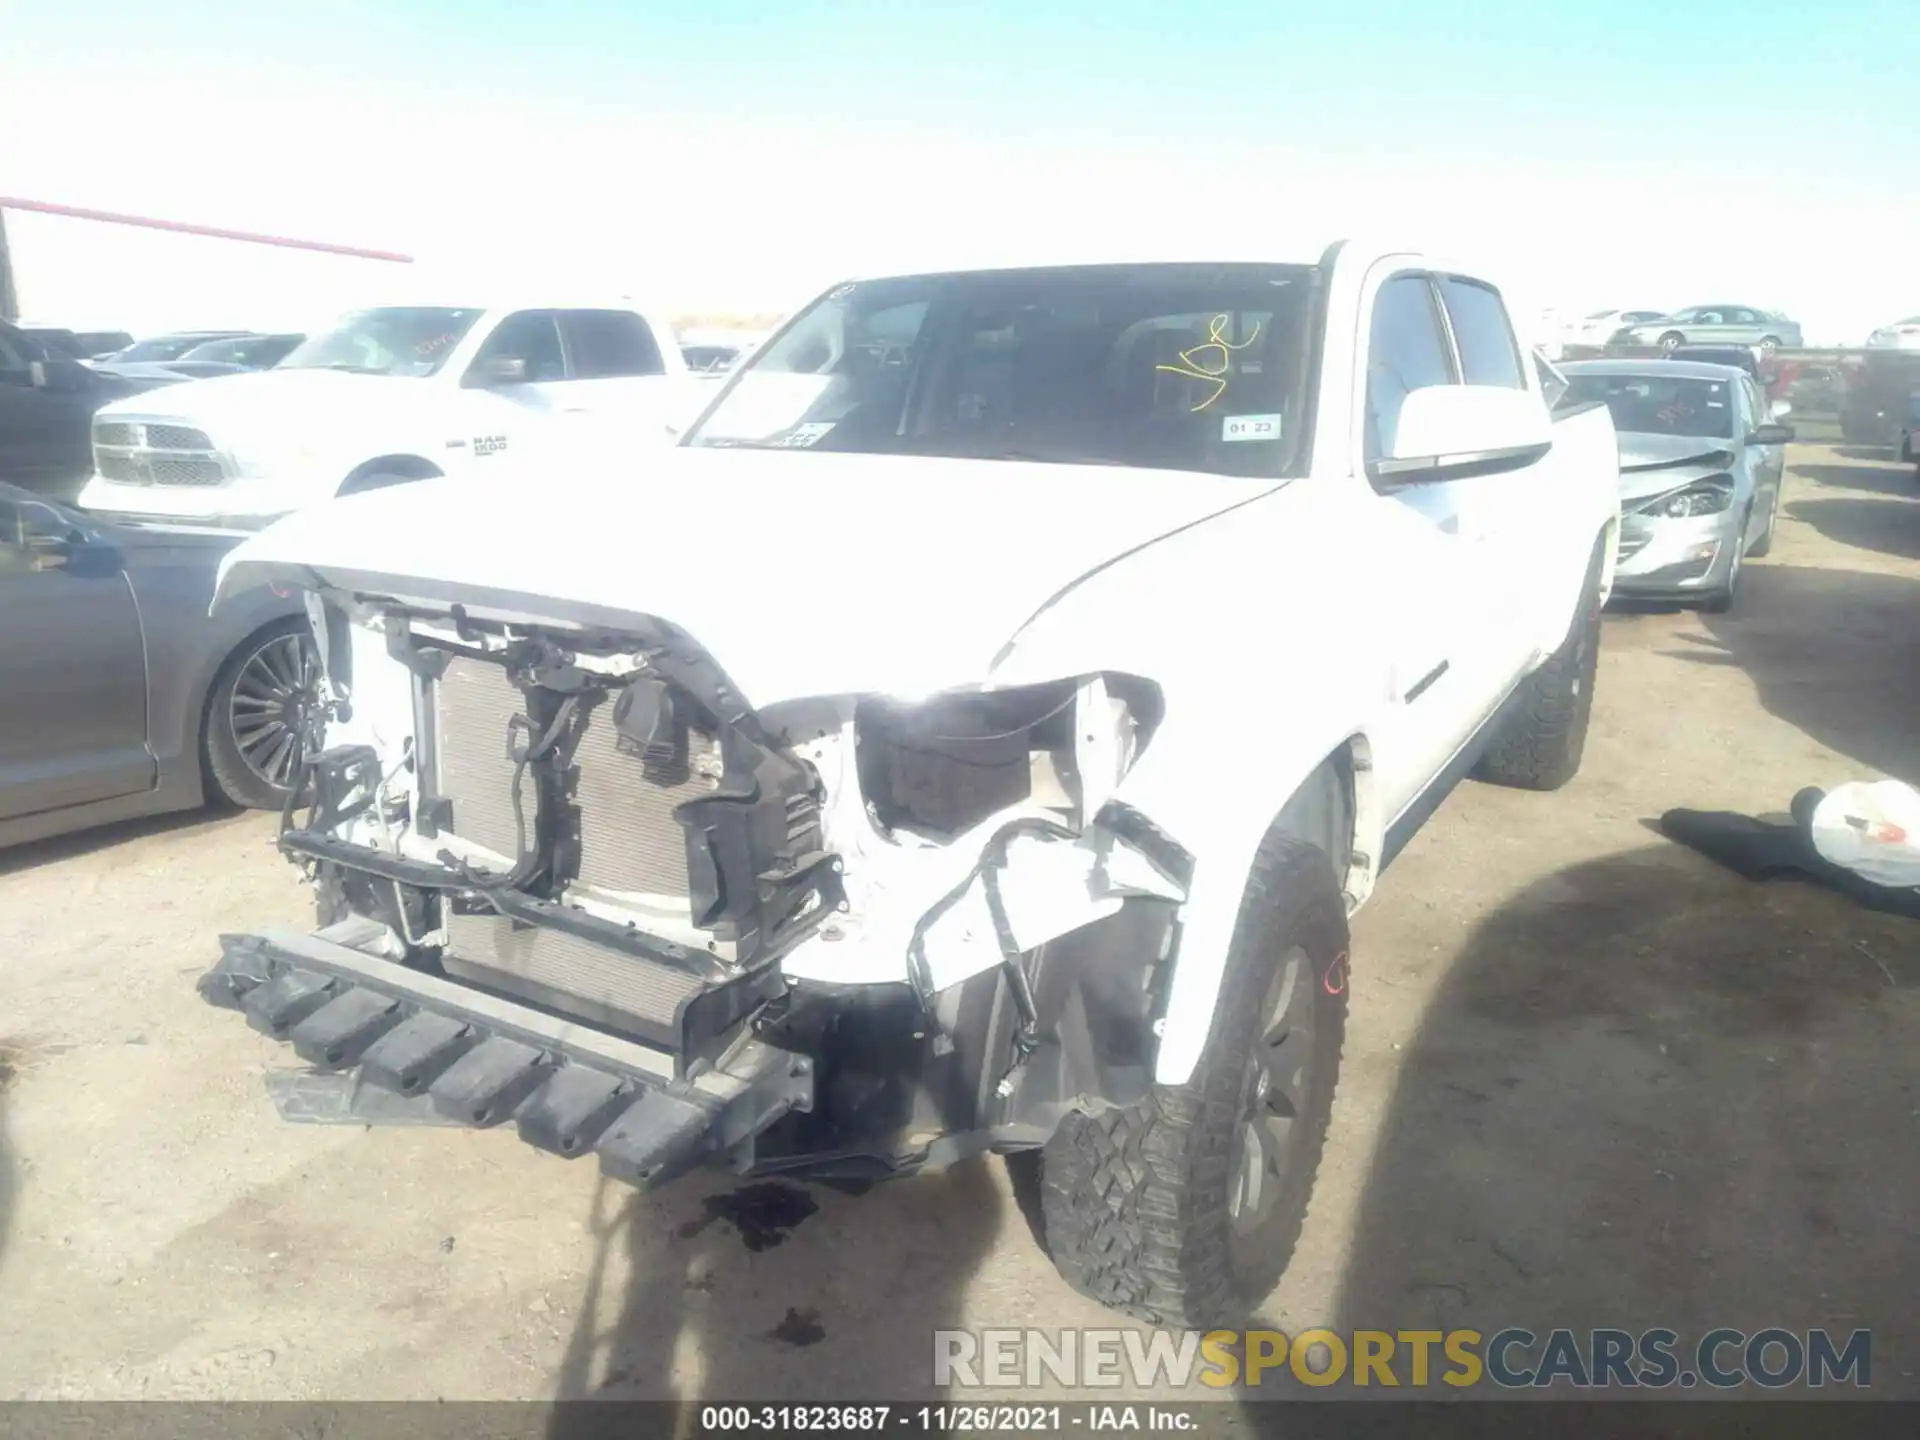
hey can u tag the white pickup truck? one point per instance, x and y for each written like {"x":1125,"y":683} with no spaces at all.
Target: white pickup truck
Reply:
{"x":390,"y":395}
{"x":974,"y":737}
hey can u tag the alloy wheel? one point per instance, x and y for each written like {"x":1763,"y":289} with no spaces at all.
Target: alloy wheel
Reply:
{"x":1274,"y":1098}
{"x":271,"y":694}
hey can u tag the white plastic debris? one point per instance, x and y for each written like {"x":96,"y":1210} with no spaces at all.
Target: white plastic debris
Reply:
{"x":1873,"y":829}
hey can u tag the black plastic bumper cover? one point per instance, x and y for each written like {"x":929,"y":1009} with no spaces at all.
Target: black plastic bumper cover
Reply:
{"x":478,"y":1059}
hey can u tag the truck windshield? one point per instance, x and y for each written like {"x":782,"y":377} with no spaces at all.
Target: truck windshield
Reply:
{"x":1187,"y":367}
{"x":392,"y":341}
{"x":1681,"y":405}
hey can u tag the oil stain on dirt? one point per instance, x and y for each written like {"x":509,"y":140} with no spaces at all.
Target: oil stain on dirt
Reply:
{"x":800,"y":1327}
{"x":763,"y":1215}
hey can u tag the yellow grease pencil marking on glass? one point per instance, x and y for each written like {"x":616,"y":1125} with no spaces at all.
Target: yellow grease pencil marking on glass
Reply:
{"x":1216,"y":340}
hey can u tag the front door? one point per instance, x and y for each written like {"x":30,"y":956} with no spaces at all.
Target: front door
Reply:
{"x":73,"y":727}
{"x":502,"y":423}
{"x":1446,"y":632}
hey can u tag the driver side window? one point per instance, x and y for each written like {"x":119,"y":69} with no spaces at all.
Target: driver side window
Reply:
{"x":1406,"y":351}
{"x":529,"y":335}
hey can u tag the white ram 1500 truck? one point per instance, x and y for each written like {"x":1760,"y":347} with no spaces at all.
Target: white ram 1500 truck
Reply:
{"x":390,"y":395}
{"x":973,"y":737}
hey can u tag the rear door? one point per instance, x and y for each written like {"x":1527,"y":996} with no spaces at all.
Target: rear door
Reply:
{"x":1713,"y":325}
{"x":1745,"y":327}
{"x":1507,"y":518}
{"x":619,"y":383}
{"x":73,"y":725}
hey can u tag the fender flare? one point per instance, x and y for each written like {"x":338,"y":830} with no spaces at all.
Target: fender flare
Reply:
{"x":1334,"y":795}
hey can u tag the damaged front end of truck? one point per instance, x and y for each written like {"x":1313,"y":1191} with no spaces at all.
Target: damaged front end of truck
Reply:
{"x":569,"y":878}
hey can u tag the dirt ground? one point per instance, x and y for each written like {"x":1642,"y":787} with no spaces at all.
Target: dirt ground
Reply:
{"x":1590,"y":1080}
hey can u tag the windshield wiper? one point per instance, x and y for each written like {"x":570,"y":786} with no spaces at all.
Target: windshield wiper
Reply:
{"x":1028,"y":455}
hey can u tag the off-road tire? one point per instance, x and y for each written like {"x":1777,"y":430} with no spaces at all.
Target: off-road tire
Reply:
{"x":1135,"y":1203}
{"x":1540,"y":742}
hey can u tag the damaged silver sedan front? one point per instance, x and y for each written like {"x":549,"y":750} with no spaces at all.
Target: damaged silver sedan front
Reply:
{"x":1701,"y":458}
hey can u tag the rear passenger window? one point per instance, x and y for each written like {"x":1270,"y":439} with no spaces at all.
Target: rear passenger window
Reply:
{"x":610,"y":343}
{"x":1489,"y":355}
{"x":1406,"y":351}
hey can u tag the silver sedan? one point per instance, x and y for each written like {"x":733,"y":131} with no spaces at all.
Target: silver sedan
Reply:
{"x":122,"y":696}
{"x":1701,"y":456}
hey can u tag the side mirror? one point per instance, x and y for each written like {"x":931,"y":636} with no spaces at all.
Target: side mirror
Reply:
{"x":59,"y":374}
{"x":1770,"y":435}
{"x":499,"y":370}
{"x":50,"y":552}
{"x":1449,"y":432}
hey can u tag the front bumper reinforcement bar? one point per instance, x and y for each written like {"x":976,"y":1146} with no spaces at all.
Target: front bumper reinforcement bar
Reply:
{"x":427,"y":1044}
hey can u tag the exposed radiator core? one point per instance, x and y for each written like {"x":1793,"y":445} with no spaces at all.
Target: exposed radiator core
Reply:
{"x":473,"y":701}
{"x":629,"y":839}
{"x":552,"y":968}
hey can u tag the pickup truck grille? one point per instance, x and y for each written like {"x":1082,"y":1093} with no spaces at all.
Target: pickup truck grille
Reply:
{"x":132,"y":452}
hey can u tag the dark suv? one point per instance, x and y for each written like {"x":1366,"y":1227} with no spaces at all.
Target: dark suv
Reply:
{"x":47,"y":402}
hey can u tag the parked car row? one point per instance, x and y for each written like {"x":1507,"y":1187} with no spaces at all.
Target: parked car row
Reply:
{"x":79,"y":344}
{"x":199,"y":355}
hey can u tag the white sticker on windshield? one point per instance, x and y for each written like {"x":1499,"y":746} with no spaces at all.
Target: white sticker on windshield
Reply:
{"x":812,"y":433}
{"x":1250,"y":427}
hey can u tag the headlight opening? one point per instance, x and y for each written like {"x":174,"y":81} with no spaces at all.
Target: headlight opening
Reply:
{"x":1710,"y":496}
{"x":941,"y":766}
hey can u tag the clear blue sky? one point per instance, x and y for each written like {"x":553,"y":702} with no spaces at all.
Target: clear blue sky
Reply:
{"x":1832,"y":84}
{"x":1703,"y":144}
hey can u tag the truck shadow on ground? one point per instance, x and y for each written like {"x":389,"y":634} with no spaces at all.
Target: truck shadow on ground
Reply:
{"x":1650,"y":1093}
{"x":1886,"y":526}
{"x":1834,"y":653}
{"x":1872,"y":479}
{"x":766,"y":1290}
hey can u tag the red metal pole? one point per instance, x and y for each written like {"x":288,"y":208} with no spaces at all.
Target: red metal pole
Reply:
{"x":108,"y":217}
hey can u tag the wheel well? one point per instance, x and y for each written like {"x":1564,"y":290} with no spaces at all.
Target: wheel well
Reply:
{"x":1610,"y":541}
{"x":411,"y":467}
{"x":253,"y":638}
{"x":1326,"y":810}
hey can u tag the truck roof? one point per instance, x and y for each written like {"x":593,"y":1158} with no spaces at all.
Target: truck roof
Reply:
{"x":1023,"y":257}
